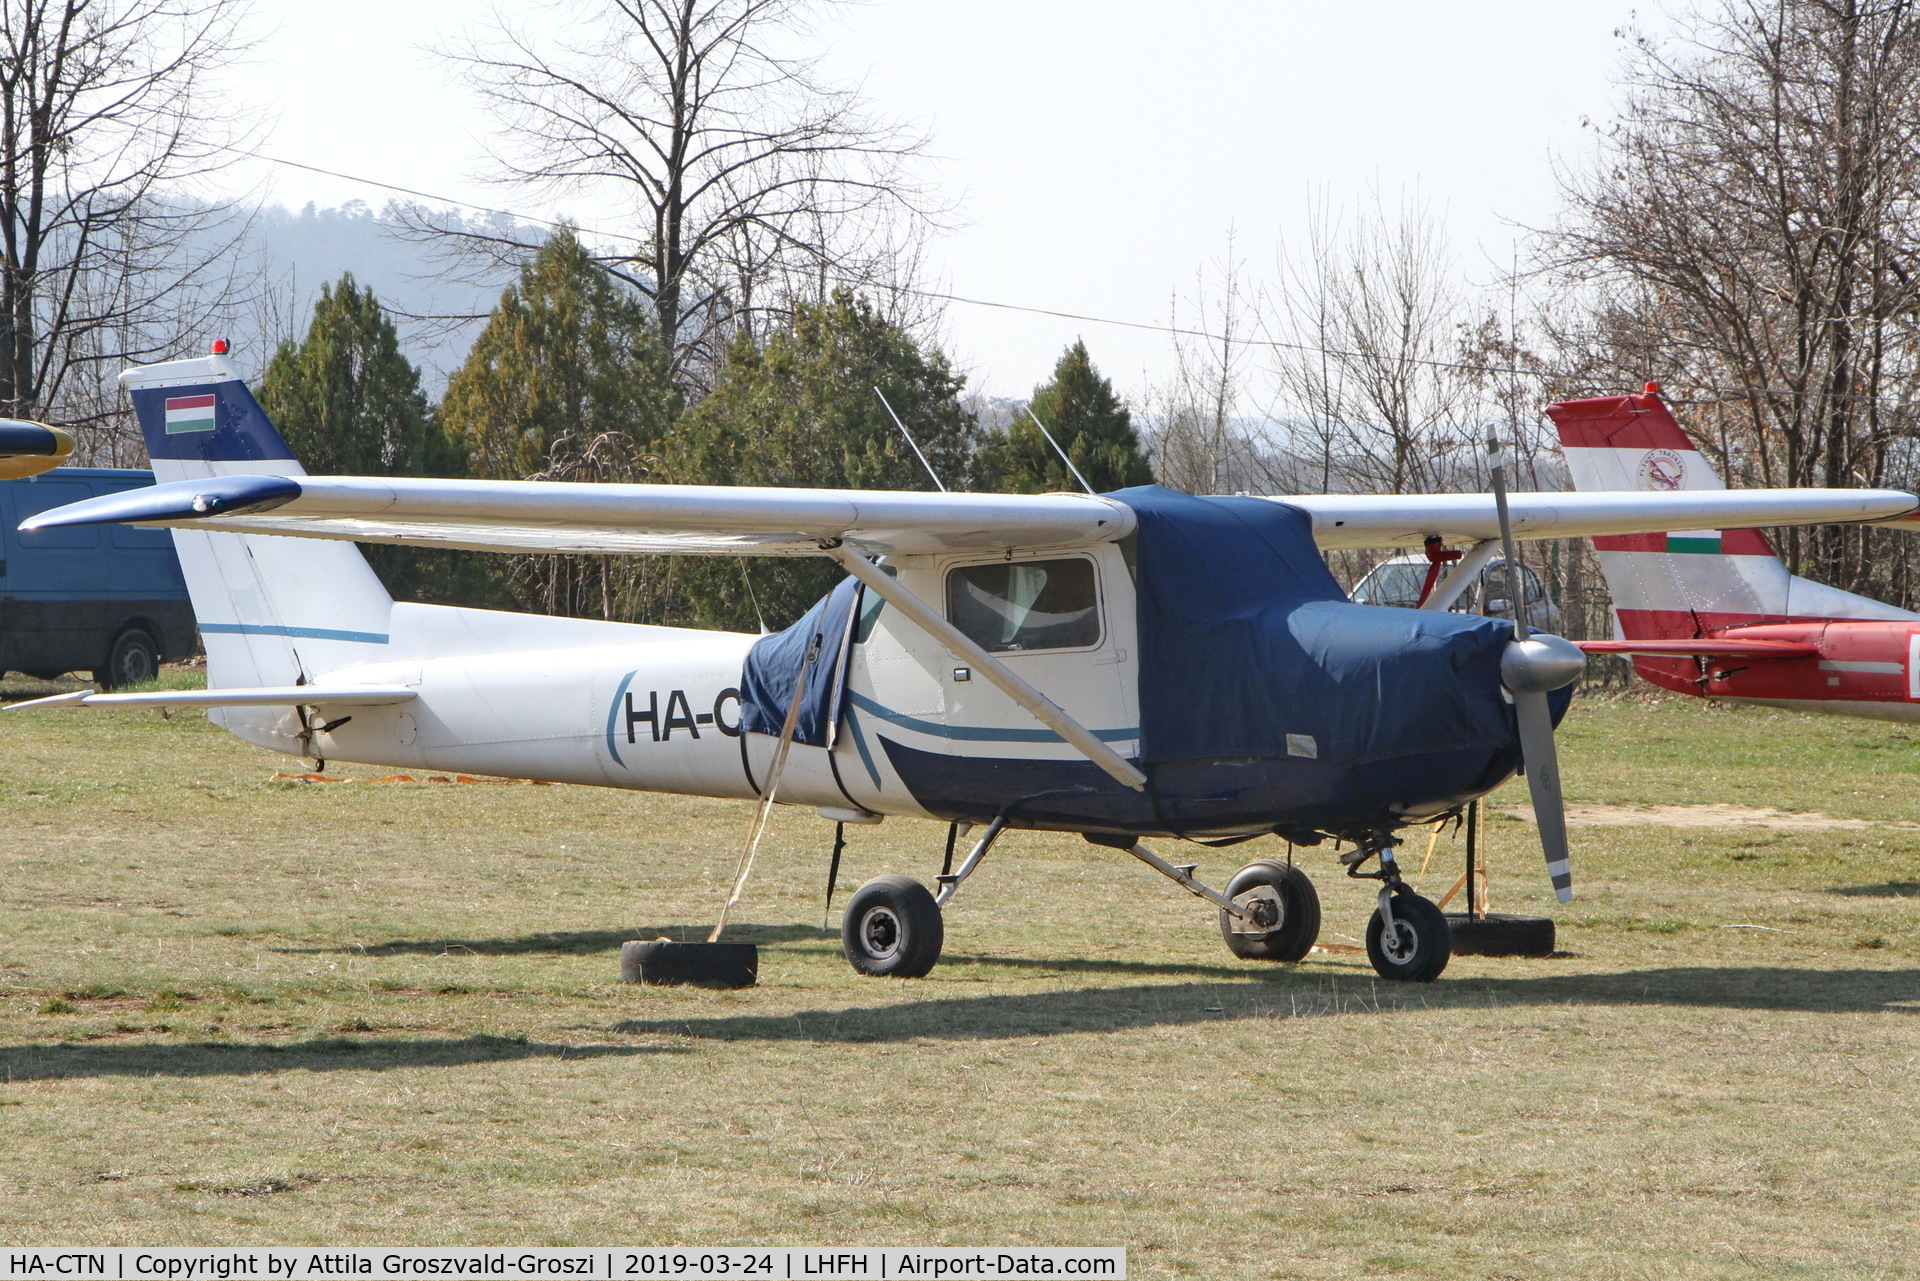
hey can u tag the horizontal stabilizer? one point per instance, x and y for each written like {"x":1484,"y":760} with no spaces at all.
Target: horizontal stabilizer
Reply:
{"x":259,"y":696}
{"x":1705,"y":648}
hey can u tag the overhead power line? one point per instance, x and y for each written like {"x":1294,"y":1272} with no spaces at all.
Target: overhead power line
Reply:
{"x":1178,"y":331}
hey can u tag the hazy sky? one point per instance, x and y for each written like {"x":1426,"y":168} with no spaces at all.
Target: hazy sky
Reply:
{"x":1100,"y":149}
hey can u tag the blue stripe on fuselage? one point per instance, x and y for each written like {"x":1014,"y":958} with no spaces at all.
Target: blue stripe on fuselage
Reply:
{"x":860,"y":742}
{"x":613,"y":715}
{"x":979,"y":734}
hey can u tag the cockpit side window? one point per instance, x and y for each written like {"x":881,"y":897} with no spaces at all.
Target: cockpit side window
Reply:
{"x":1028,"y":605}
{"x":871,"y":603}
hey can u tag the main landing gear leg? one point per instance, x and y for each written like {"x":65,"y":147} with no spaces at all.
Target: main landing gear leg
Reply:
{"x":1269,"y":911}
{"x":1407,"y":935}
{"x":950,"y":881}
{"x":1183,"y":876}
{"x":893,"y":926}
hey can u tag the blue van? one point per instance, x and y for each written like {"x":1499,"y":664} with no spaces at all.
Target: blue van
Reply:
{"x":105,"y":599}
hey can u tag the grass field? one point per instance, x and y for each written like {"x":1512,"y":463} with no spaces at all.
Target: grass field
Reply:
{"x":240,"y":1010}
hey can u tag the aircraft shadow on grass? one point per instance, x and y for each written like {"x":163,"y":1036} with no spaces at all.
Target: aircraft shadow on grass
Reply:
{"x":1886,"y":889}
{"x":587,"y":942}
{"x":1240,"y":998}
{"x":565,"y":942}
{"x":1303,"y":994}
{"x":330,"y":1054}
{"x":1095,"y":965}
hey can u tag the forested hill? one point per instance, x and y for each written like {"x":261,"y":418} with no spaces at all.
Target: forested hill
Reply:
{"x":292,"y":253}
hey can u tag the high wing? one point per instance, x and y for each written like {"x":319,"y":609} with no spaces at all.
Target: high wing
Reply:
{"x":551,"y":516}
{"x":557,"y":516}
{"x":1367,"y":520}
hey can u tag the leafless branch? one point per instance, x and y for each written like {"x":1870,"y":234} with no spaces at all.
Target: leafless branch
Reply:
{"x":108,"y":115}
{"x":749,"y":179}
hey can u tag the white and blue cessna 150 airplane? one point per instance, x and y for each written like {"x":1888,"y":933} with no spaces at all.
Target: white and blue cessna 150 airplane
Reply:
{"x":1130,"y":665}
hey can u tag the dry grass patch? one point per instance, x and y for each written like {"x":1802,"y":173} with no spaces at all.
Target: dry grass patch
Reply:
{"x":235,"y":1010}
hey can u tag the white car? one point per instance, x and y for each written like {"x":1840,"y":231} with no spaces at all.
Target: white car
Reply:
{"x":1398,"y":581}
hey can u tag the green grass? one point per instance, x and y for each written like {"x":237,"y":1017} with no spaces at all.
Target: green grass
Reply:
{"x":240,"y":1010}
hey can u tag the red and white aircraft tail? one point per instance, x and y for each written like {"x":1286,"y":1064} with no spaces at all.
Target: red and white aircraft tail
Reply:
{"x":1715,"y":611}
{"x":1685,"y":583}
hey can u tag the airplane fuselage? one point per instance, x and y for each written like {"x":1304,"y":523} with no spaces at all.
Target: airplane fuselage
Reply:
{"x":1865,"y":667}
{"x":660,"y":709}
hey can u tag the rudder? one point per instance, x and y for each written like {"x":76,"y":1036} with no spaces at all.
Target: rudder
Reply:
{"x":1686,"y":583}
{"x":272,"y":611}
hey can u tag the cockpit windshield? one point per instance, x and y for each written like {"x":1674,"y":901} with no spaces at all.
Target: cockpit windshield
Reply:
{"x":1394,"y":583}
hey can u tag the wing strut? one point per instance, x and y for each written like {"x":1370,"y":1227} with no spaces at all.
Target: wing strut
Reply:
{"x":1465,"y":570}
{"x":1004,"y":678}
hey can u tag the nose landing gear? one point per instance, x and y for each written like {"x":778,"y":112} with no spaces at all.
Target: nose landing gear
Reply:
{"x":1407,"y":936}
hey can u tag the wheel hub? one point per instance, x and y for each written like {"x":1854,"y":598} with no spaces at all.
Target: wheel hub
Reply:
{"x":1263,"y":908}
{"x":1399,"y":941}
{"x":880,"y":932}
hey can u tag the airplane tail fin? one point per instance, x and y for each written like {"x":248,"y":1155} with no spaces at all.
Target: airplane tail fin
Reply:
{"x":1685,"y":583}
{"x":272,"y":611}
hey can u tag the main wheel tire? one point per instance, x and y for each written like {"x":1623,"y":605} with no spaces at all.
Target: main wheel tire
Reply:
{"x":1298,"y":903}
{"x":1420,"y":945}
{"x":1495,"y":934}
{"x":133,"y":659}
{"x":892,"y":927}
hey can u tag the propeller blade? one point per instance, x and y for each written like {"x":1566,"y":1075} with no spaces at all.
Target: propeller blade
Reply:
{"x":1543,"y":782}
{"x":1531,"y":673}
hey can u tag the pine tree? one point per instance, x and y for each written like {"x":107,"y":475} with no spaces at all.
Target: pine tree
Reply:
{"x":1080,"y":409}
{"x":348,"y":403}
{"x":569,"y":352}
{"x":800,"y":409}
{"x":568,"y":381}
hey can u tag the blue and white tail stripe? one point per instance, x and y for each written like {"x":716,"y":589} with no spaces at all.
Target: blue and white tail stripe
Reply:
{"x":200,"y":411}
{"x":272,"y":611}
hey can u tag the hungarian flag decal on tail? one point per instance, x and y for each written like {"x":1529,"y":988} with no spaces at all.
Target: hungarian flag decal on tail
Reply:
{"x":189,"y":413}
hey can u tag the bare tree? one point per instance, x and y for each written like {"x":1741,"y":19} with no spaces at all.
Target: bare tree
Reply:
{"x":1200,"y":442}
{"x":1750,"y":225}
{"x":613,"y":587}
{"x":748,"y":177}
{"x":105,"y":112}
{"x":1368,"y":362}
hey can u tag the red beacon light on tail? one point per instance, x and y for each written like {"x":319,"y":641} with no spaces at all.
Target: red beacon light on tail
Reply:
{"x":220,"y":349}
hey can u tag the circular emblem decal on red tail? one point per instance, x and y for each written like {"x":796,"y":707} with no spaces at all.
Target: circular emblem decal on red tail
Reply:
{"x":1663,"y":469}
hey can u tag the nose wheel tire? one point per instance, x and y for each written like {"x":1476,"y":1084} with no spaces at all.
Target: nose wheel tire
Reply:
{"x":1289,"y":906}
{"x":892,"y":928}
{"x":1418,"y":947}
